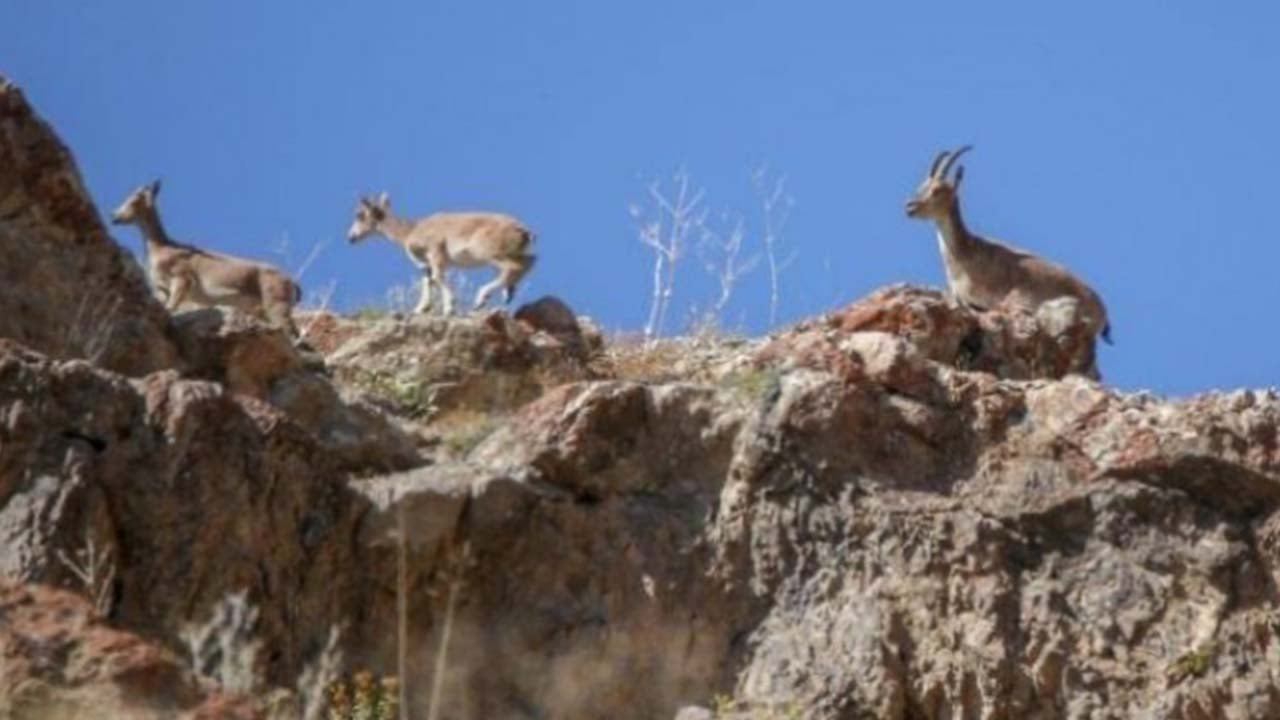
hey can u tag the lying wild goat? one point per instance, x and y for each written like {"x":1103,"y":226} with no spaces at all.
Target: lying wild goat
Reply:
{"x":183,"y":273}
{"x":443,"y":240}
{"x":986,"y":274}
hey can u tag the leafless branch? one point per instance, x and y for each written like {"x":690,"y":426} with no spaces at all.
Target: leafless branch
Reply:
{"x":719,"y":253}
{"x":776,"y":205}
{"x":665,"y":228}
{"x":316,"y":249}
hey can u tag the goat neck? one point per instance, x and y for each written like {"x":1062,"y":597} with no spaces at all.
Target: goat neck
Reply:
{"x":952,"y":231}
{"x":153,"y":231}
{"x":395,"y":228}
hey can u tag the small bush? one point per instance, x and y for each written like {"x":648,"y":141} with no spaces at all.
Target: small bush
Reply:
{"x":410,"y":397}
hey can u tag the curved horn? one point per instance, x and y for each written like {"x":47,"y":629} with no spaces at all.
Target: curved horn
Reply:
{"x":946,"y":167}
{"x":933,"y":169}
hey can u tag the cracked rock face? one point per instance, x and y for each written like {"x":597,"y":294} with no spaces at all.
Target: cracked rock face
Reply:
{"x":904,"y":509}
{"x":70,"y":291}
{"x":193,"y":492}
{"x":62,"y":661}
{"x":882,"y":535}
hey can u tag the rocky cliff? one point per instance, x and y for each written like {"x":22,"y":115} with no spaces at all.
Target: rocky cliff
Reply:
{"x":902,"y":509}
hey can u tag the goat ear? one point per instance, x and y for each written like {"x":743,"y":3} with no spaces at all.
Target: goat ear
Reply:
{"x":959,"y":176}
{"x":364,"y":202}
{"x":384,"y":201}
{"x":154,"y":188}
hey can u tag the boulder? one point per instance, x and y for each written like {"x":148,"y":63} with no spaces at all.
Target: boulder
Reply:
{"x":70,"y":290}
{"x":62,"y":661}
{"x":1053,"y":342}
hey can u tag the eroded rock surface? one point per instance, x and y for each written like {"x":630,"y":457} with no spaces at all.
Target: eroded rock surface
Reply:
{"x":194,"y":492}
{"x":69,"y":290}
{"x":59,"y":660}
{"x":428,"y":368}
{"x":904,"y":509}
{"x":1050,"y":343}
{"x":251,"y":359}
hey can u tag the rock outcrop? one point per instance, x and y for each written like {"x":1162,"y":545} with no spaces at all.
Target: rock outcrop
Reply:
{"x":59,"y":660}
{"x":862,"y":533}
{"x":73,"y":292}
{"x":903,"y":509}
{"x":1017,"y":345}
{"x":193,"y":492}
{"x":69,"y":290}
{"x":442,"y":374}
{"x":251,"y":359}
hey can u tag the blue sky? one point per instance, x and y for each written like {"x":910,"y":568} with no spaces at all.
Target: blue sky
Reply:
{"x":1135,"y":142}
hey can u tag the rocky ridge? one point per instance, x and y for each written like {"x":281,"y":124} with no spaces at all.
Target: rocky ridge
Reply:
{"x":902,"y":509}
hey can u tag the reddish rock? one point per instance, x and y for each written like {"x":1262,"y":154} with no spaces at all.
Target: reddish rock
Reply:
{"x":904,"y":509}
{"x":428,"y":368}
{"x":70,"y":290}
{"x":195,"y":492}
{"x":1052,"y":343}
{"x":60,"y":660}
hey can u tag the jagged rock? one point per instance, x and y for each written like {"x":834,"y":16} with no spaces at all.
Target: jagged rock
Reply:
{"x":1040,"y":550}
{"x":893,"y":537}
{"x":194,"y":492}
{"x":1051,"y":343}
{"x":229,"y":347}
{"x":70,"y":290}
{"x":61,"y":661}
{"x":904,"y":509}
{"x":363,"y":438}
{"x":426,"y":368}
{"x":250,"y":358}
{"x":550,"y":315}
{"x":593,"y":440}
{"x":562,"y":608}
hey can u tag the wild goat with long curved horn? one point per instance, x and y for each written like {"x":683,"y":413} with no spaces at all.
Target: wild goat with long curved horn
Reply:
{"x":984,"y":273}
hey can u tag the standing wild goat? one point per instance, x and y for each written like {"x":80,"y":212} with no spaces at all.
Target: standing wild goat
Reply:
{"x":443,"y":240}
{"x":184,"y":273}
{"x":986,"y":274}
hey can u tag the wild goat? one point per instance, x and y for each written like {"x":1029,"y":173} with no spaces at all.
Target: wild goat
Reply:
{"x":443,"y":240}
{"x":184,"y":273}
{"x":986,"y":274}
